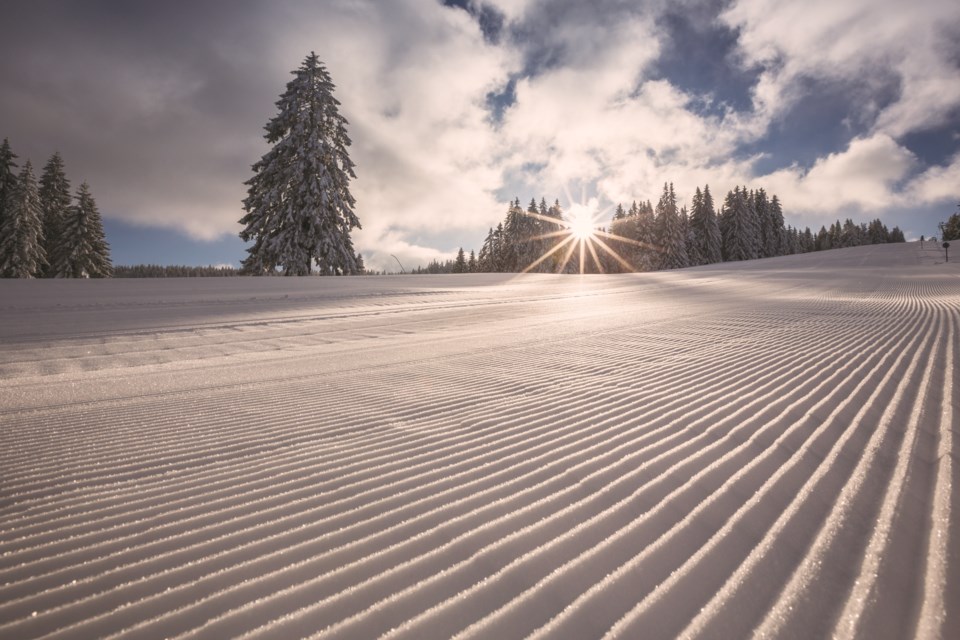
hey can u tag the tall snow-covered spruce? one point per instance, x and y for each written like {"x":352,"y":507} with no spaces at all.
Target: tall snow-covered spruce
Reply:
{"x":8,"y":176}
{"x":81,"y":249}
{"x":55,"y":201}
{"x":299,"y":207}
{"x":21,"y":234}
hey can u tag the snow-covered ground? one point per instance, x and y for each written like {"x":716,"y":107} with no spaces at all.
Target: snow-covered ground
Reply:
{"x":765,"y":447}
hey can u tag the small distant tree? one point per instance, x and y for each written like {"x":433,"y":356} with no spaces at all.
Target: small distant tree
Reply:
{"x":21,"y":235}
{"x":460,"y":264}
{"x":299,"y":207}
{"x":82,"y":249}
{"x":472,"y":262}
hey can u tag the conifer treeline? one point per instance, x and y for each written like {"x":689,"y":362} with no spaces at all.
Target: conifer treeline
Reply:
{"x":173,"y":271}
{"x":43,"y":231}
{"x":749,"y":225}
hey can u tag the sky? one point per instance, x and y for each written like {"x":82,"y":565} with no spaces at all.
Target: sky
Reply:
{"x":843,"y":109}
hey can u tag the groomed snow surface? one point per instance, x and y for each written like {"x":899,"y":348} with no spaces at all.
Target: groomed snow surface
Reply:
{"x":764,"y":448}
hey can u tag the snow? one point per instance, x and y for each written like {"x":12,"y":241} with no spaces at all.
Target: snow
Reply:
{"x":758,"y":447}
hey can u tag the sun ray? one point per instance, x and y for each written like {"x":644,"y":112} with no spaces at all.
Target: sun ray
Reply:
{"x":556,"y":247}
{"x":569,"y":253}
{"x":616,"y":256}
{"x":593,"y":252}
{"x":581,"y":232}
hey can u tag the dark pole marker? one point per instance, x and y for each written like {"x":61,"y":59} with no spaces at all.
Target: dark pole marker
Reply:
{"x":946,"y":250}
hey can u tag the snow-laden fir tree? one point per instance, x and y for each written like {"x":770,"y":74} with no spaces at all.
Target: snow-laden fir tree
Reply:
{"x":695,"y":236}
{"x":299,"y":207}
{"x":512,"y":237}
{"x":486,"y":259}
{"x":738,"y":227}
{"x":775,"y":211}
{"x":21,"y":235}
{"x":81,"y":250}
{"x":8,"y":175}
{"x":705,"y":234}
{"x":767,"y":236}
{"x":549,"y":243}
{"x":623,"y":229}
{"x":530,"y":246}
{"x":648,"y":249}
{"x":539,"y":244}
{"x":671,"y":235}
{"x":55,"y":201}
{"x":713,"y":241}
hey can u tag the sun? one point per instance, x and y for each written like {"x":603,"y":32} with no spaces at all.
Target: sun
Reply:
{"x":580,"y":219}
{"x":579,"y":237}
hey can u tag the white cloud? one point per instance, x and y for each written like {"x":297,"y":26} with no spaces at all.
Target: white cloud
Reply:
{"x":936,"y":184}
{"x":854,"y":40}
{"x":863,"y":177}
{"x":600,"y":119}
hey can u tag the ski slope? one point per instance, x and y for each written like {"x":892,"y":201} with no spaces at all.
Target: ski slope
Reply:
{"x":764,"y":448}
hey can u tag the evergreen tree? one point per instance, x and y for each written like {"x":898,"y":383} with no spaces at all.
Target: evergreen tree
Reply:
{"x":951,"y":228}
{"x":460,"y":264}
{"x":850,"y":234}
{"x":695,"y":243}
{"x":499,"y":249}
{"x":21,"y":236}
{"x":671,"y":236}
{"x":510,"y":255}
{"x":705,"y":240}
{"x":749,"y":201}
{"x":775,"y":211}
{"x":713,"y":242}
{"x":647,"y":255}
{"x":539,"y":244}
{"x":485,"y":261}
{"x":836,"y":235}
{"x":472,"y":262}
{"x":529,"y":243}
{"x":624,"y":229}
{"x":8,"y":176}
{"x":555,"y":260}
{"x":768,"y":236}
{"x":738,"y":227}
{"x":55,"y":201}
{"x":299,"y":207}
{"x":82,"y":249}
